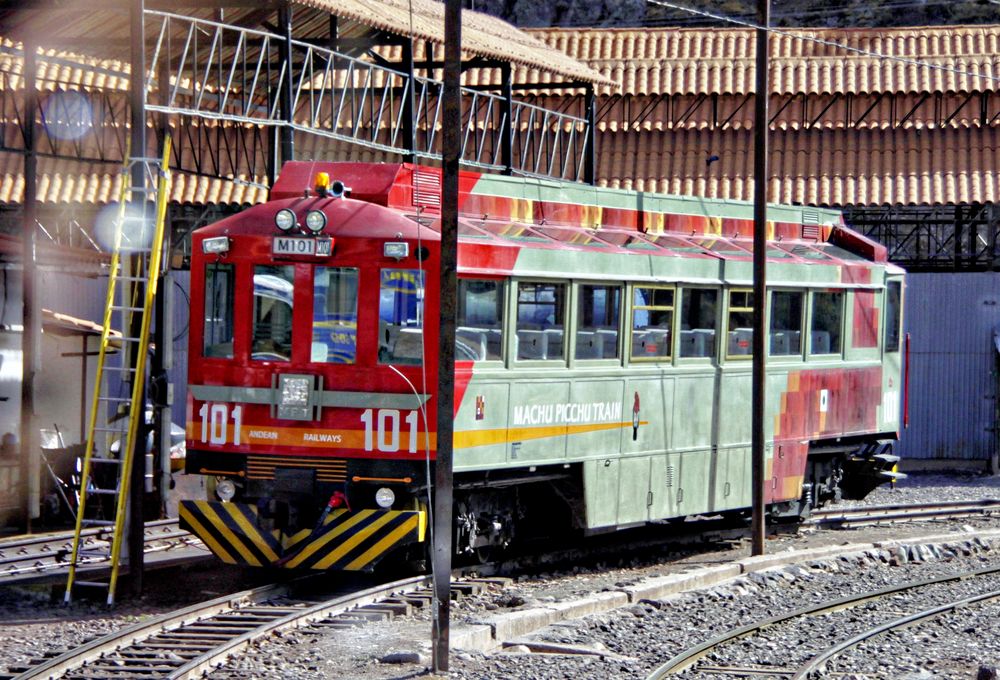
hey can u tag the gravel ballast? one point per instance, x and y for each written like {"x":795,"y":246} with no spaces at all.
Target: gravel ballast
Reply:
{"x":629,"y":641}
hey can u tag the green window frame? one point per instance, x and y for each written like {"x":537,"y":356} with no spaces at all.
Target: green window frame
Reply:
{"x":598,"y":321}
{"x":541,"y":321}
{"x":699,"y":319}
{"x":652,"y":327}
{"x":826,"y":330}
{"x":739,"y":324}
{"x":787,"y":322}
{"x":479,"y":320}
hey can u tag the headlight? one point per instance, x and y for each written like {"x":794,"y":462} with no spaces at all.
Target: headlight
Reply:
{"x":216,"y":244}
{"x":225,"y":490}
{"x":316,"y":221}
{"x":285,"y":219}
{"x":385,"y":497}
{"x":396,"y":249}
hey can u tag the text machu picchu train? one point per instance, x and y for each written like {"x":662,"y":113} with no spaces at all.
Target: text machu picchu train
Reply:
{"x":602,"y":363}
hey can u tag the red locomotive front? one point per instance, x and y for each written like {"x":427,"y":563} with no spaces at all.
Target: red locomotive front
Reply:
{"x":309,"y":398}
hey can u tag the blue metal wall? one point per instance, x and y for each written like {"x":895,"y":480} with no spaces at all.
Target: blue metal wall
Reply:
{"x":951,"y":318}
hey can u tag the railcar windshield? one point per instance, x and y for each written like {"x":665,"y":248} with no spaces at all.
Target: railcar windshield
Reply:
{"x":401,"y":316}
{"x":219,"y":298}
{"x":272,"y":312}
{"x":335,"y":315}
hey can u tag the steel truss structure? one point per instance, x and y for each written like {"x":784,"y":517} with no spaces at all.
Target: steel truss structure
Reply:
{"x":215,"y":71}
{"x":934,"y":238}
{"x":803,"y":111}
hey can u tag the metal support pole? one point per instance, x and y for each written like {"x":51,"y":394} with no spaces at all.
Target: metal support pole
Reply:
{"x":409,"y":118}
{"x":137,"y":109}
{"x":760,"y":174}
{"x":31,"y":318}
{"x":451,"y":149}
{"x":287,"y":93}
{"x":507,"y":142}
{"x":590,"y":148}
{"x":163,"y":358}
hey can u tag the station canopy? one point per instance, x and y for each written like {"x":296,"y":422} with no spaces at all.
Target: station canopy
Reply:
{"x":101,"y":27}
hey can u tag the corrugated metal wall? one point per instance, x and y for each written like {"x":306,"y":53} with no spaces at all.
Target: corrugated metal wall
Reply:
{"x":951,"y":318}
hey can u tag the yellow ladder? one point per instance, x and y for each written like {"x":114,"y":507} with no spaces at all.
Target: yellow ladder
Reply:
{"x":118,"y":407}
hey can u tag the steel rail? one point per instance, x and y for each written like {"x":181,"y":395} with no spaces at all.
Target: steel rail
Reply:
{"x":688,"y":657}
{"x":323,"y":610}
{"x":817,"y":662}
{"x":206,"y":625}
{"x":114,"y":641}
{"x":47,"y":554}
{"x":898,"y":512}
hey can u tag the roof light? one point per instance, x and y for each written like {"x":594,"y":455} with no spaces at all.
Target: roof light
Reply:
{"x":321,"y":183}
{"x":285,"y":219}
{"x":215,"y":245}
{"x":316,"y":220}
{"x":396,"y":249}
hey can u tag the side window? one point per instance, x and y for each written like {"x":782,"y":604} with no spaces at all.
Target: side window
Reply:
{"x":273,"y":287}
{"x":786,"y":323}
{"x":401,"y":317}
{"x":335,"y":315}
{"x":740,"y":329}
{"x":597,"y":322}
{"x":219,"y":304}
{"x":827,"y":322}
{"x":893,"y":315}
{"x":541,"y":318}
{"x":699,"y":319}
{"x":652,"y":322}
{"x":478,"y":335}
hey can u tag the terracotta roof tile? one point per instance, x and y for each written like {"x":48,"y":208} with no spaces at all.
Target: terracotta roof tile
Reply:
{"x":720,"y":61}
{"x":69,"y":181}
{"x":816,"y":167}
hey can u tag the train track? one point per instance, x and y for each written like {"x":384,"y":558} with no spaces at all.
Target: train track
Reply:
{"x":33,"y":557}
{"x":691,"y":659}
{"x":189,"y":642}
{"x":887,"y":514}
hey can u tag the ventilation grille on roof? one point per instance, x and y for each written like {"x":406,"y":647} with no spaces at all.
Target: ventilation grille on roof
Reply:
{"x":810,"y":224}
{"x":426,"y":189}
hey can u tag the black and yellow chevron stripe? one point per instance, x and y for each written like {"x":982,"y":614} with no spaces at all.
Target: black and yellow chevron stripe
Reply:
{"x":347,"y":541}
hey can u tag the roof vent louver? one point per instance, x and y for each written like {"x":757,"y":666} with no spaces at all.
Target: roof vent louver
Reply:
{"x":810,"y":224}
{"x":426,"y":189}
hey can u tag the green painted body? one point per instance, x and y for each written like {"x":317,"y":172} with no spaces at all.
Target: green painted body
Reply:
{"x":691,"y":454}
